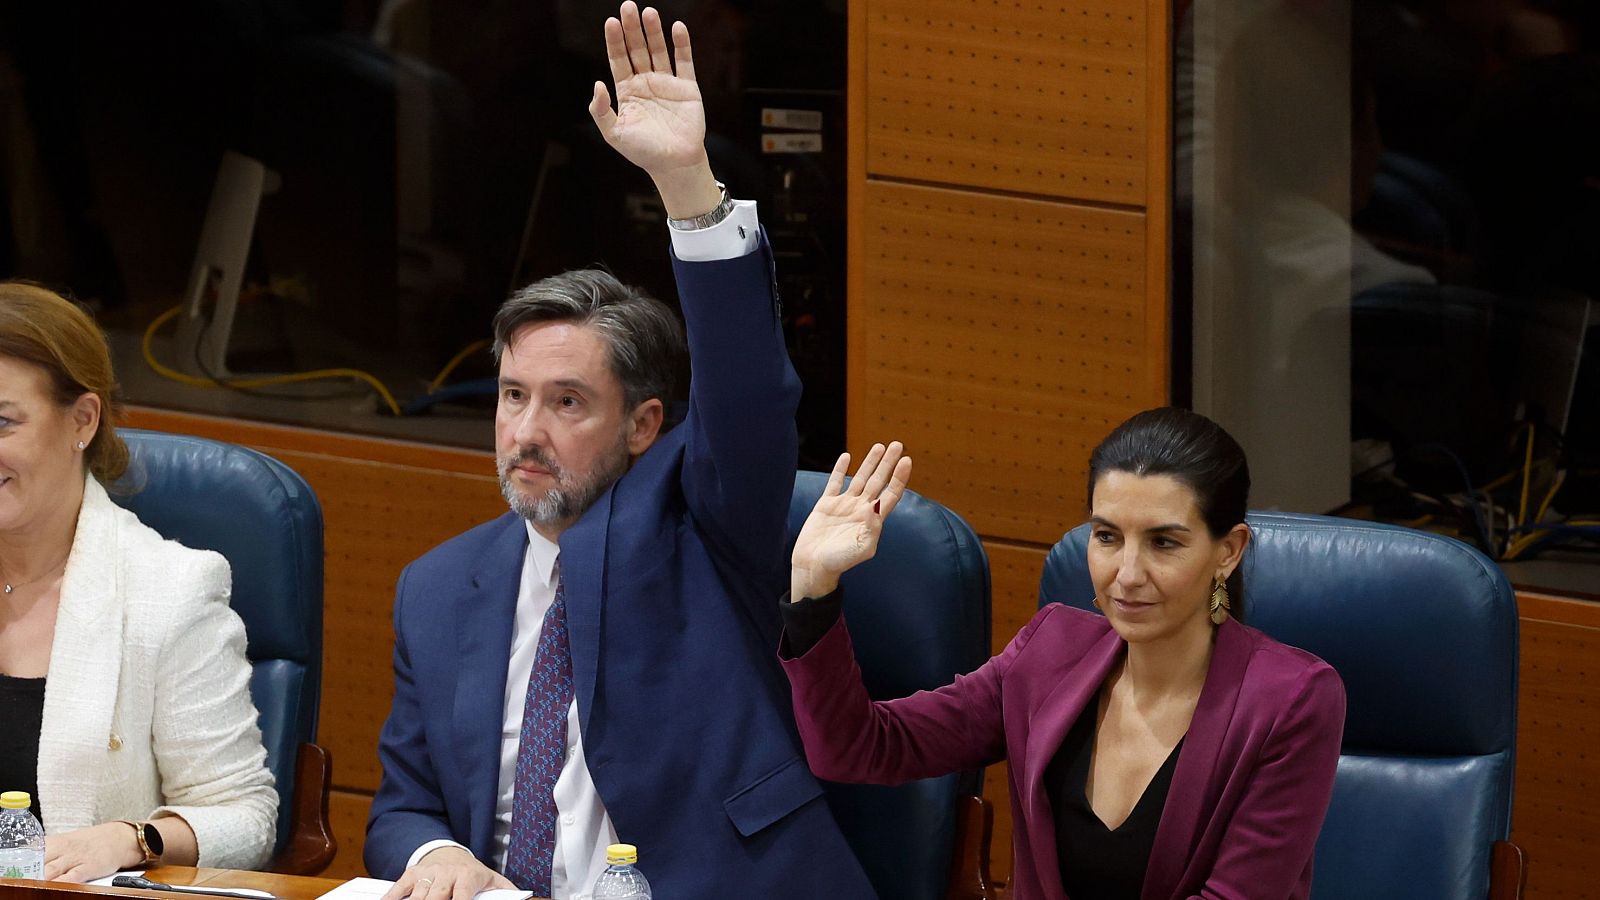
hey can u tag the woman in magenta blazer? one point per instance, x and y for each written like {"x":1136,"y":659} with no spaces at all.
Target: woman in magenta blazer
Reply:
{"x":1163,"y":750}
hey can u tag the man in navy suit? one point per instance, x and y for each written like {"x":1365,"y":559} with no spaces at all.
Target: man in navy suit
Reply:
{"x":599,"y":664}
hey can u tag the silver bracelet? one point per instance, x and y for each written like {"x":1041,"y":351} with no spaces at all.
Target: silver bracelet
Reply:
{"x":705,"y":220}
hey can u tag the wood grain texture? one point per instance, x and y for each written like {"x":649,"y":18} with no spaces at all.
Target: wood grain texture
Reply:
{"x":1039,"y":98}
{"x":1014,"y":571}
{"x":287,"y":887}
{"x":1158,"y":200}
{"x":311,"y":846}
{"x":1001,"y":339}
{"x":1557,"y":806}
{"x":347,"y":810}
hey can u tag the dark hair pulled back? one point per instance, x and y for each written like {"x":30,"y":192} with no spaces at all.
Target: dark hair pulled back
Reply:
{"x":1197,"y":452}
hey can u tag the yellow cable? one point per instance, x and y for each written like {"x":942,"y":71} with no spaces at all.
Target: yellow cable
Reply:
{"x":1523,"y":543}
{"x":1555,"y":486}
{"x":265,"y":381}
{"x":1503,"y":479}
{"x":1527,"y":478}
{"x":1527,"y":540}
{"x":458,"y":359}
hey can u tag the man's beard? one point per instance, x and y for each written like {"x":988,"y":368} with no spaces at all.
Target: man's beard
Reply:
{"x":572,"y":496}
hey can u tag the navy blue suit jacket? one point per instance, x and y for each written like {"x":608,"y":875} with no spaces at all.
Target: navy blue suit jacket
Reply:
{"x":669,"y":580}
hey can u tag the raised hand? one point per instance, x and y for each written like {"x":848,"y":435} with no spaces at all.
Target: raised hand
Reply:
{"x":659,"y":123}
{"x":843,"y":528}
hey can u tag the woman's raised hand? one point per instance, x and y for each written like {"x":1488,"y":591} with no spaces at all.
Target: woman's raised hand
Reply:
{"x":843,"y":528}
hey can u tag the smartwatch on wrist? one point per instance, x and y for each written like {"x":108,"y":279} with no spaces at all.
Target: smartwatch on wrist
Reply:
{"x":150,"y":843}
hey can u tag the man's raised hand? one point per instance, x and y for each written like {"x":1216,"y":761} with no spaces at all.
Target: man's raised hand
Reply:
{"x":659,"y":123}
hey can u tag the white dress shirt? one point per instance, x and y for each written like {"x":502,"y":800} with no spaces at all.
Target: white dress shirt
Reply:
{"x":583,"y":830}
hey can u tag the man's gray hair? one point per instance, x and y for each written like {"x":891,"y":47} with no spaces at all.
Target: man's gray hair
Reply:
{"x":645,"y":337}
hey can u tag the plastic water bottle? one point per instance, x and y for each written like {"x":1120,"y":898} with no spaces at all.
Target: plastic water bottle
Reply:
{"x":22,"y":838}
{"x":620,"y":880}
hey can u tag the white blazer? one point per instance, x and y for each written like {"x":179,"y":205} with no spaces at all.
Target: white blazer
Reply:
{"x":147,"y":706}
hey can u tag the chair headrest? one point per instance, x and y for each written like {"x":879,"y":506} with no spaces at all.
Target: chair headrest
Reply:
{"x":256,"y":512}
{"x":1422,"y":628}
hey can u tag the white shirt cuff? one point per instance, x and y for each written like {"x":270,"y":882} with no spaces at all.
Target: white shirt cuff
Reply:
{"x":733,"y":237}
{"x":429,"y":847}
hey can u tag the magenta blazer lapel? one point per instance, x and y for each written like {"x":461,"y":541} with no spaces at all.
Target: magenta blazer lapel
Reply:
{"x":1190,"y":799}
{"x":1193,"y":782}
{"x":1047,"y":728}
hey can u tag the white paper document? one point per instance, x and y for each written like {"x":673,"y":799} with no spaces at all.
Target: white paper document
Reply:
{"x":374,"y":888}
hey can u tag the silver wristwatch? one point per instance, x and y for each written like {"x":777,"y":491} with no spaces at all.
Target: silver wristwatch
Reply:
{"x":705,"y":220}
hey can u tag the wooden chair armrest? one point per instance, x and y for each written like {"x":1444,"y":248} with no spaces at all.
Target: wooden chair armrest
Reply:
{"x":969,"y":866}
{"x":1508,"y":871}
{"x":311,"y":844}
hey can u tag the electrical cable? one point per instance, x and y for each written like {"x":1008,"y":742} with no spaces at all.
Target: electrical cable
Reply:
{"x":458,"y":359}
{"x":336,"y":390}
{"x":1555,"y":487}
{"x":263,"y":381}
{"x":1485,"y":537}
{"x":1527,"y":478}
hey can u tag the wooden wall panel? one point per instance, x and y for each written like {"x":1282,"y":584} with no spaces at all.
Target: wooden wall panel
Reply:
{"x":1557,"y":808}
{"x":1014,"y":575}
{"x":1005,"y":337}
{"x":1014,"y":571}
{"x":347,"y":812}
{"x":1009,"y":235}
{"x":1026,"y":97}
{"x":378,"y":518}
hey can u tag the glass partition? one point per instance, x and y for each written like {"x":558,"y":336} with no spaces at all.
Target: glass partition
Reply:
{"x":247,"y":191}
{"x":1387,"y":218}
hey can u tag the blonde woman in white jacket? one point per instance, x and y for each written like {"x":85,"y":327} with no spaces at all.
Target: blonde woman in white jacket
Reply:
{"x":118,"y":651}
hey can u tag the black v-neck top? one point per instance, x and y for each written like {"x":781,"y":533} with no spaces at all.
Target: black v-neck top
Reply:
{"x":1098,"y":863}
{"x":22,"y":711}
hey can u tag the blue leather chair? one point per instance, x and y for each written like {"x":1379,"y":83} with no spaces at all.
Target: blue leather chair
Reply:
{"x":1423,"y":630}
{"x":262,"y":516}
{"x":919,"y":616}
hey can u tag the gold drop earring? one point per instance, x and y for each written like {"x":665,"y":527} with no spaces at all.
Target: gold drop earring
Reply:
{"x":1220,"y":605}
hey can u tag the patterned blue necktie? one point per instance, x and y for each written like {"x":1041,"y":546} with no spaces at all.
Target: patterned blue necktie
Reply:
{"x":540,"y":754}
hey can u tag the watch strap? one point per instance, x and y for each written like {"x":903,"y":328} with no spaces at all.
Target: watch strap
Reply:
{"x":705,"y":220}
{"x":150,"y":854}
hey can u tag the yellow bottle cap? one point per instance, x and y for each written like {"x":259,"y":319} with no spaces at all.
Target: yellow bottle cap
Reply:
{"x":616,"y":854}
{"x":16,"y":800}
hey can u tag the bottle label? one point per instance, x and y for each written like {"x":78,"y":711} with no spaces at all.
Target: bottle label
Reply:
{"x":22,"y":864}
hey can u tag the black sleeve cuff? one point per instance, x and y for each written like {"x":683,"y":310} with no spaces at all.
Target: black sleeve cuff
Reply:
{"x":806,"y":622}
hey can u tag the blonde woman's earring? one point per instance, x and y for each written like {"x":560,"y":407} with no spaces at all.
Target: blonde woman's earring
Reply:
{"x":1220,"y":605}
{"x":82,"y":444}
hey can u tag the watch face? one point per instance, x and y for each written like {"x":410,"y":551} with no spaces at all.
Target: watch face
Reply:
{"x":152,"y":839}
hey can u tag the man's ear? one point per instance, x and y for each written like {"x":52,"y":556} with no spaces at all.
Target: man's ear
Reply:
{"x":644,"y":426}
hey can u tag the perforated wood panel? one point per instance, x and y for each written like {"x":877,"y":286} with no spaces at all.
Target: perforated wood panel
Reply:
{"x":1039,"y":98}
{"x":378,"y":517}
{"x":1014,"y":577}
{"x":347,"y":816}
{"x":1001,"y":339}
{"x":1557,"y":812}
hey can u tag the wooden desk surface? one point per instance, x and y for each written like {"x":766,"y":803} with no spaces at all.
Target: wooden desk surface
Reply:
{"x":288,"y":887}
